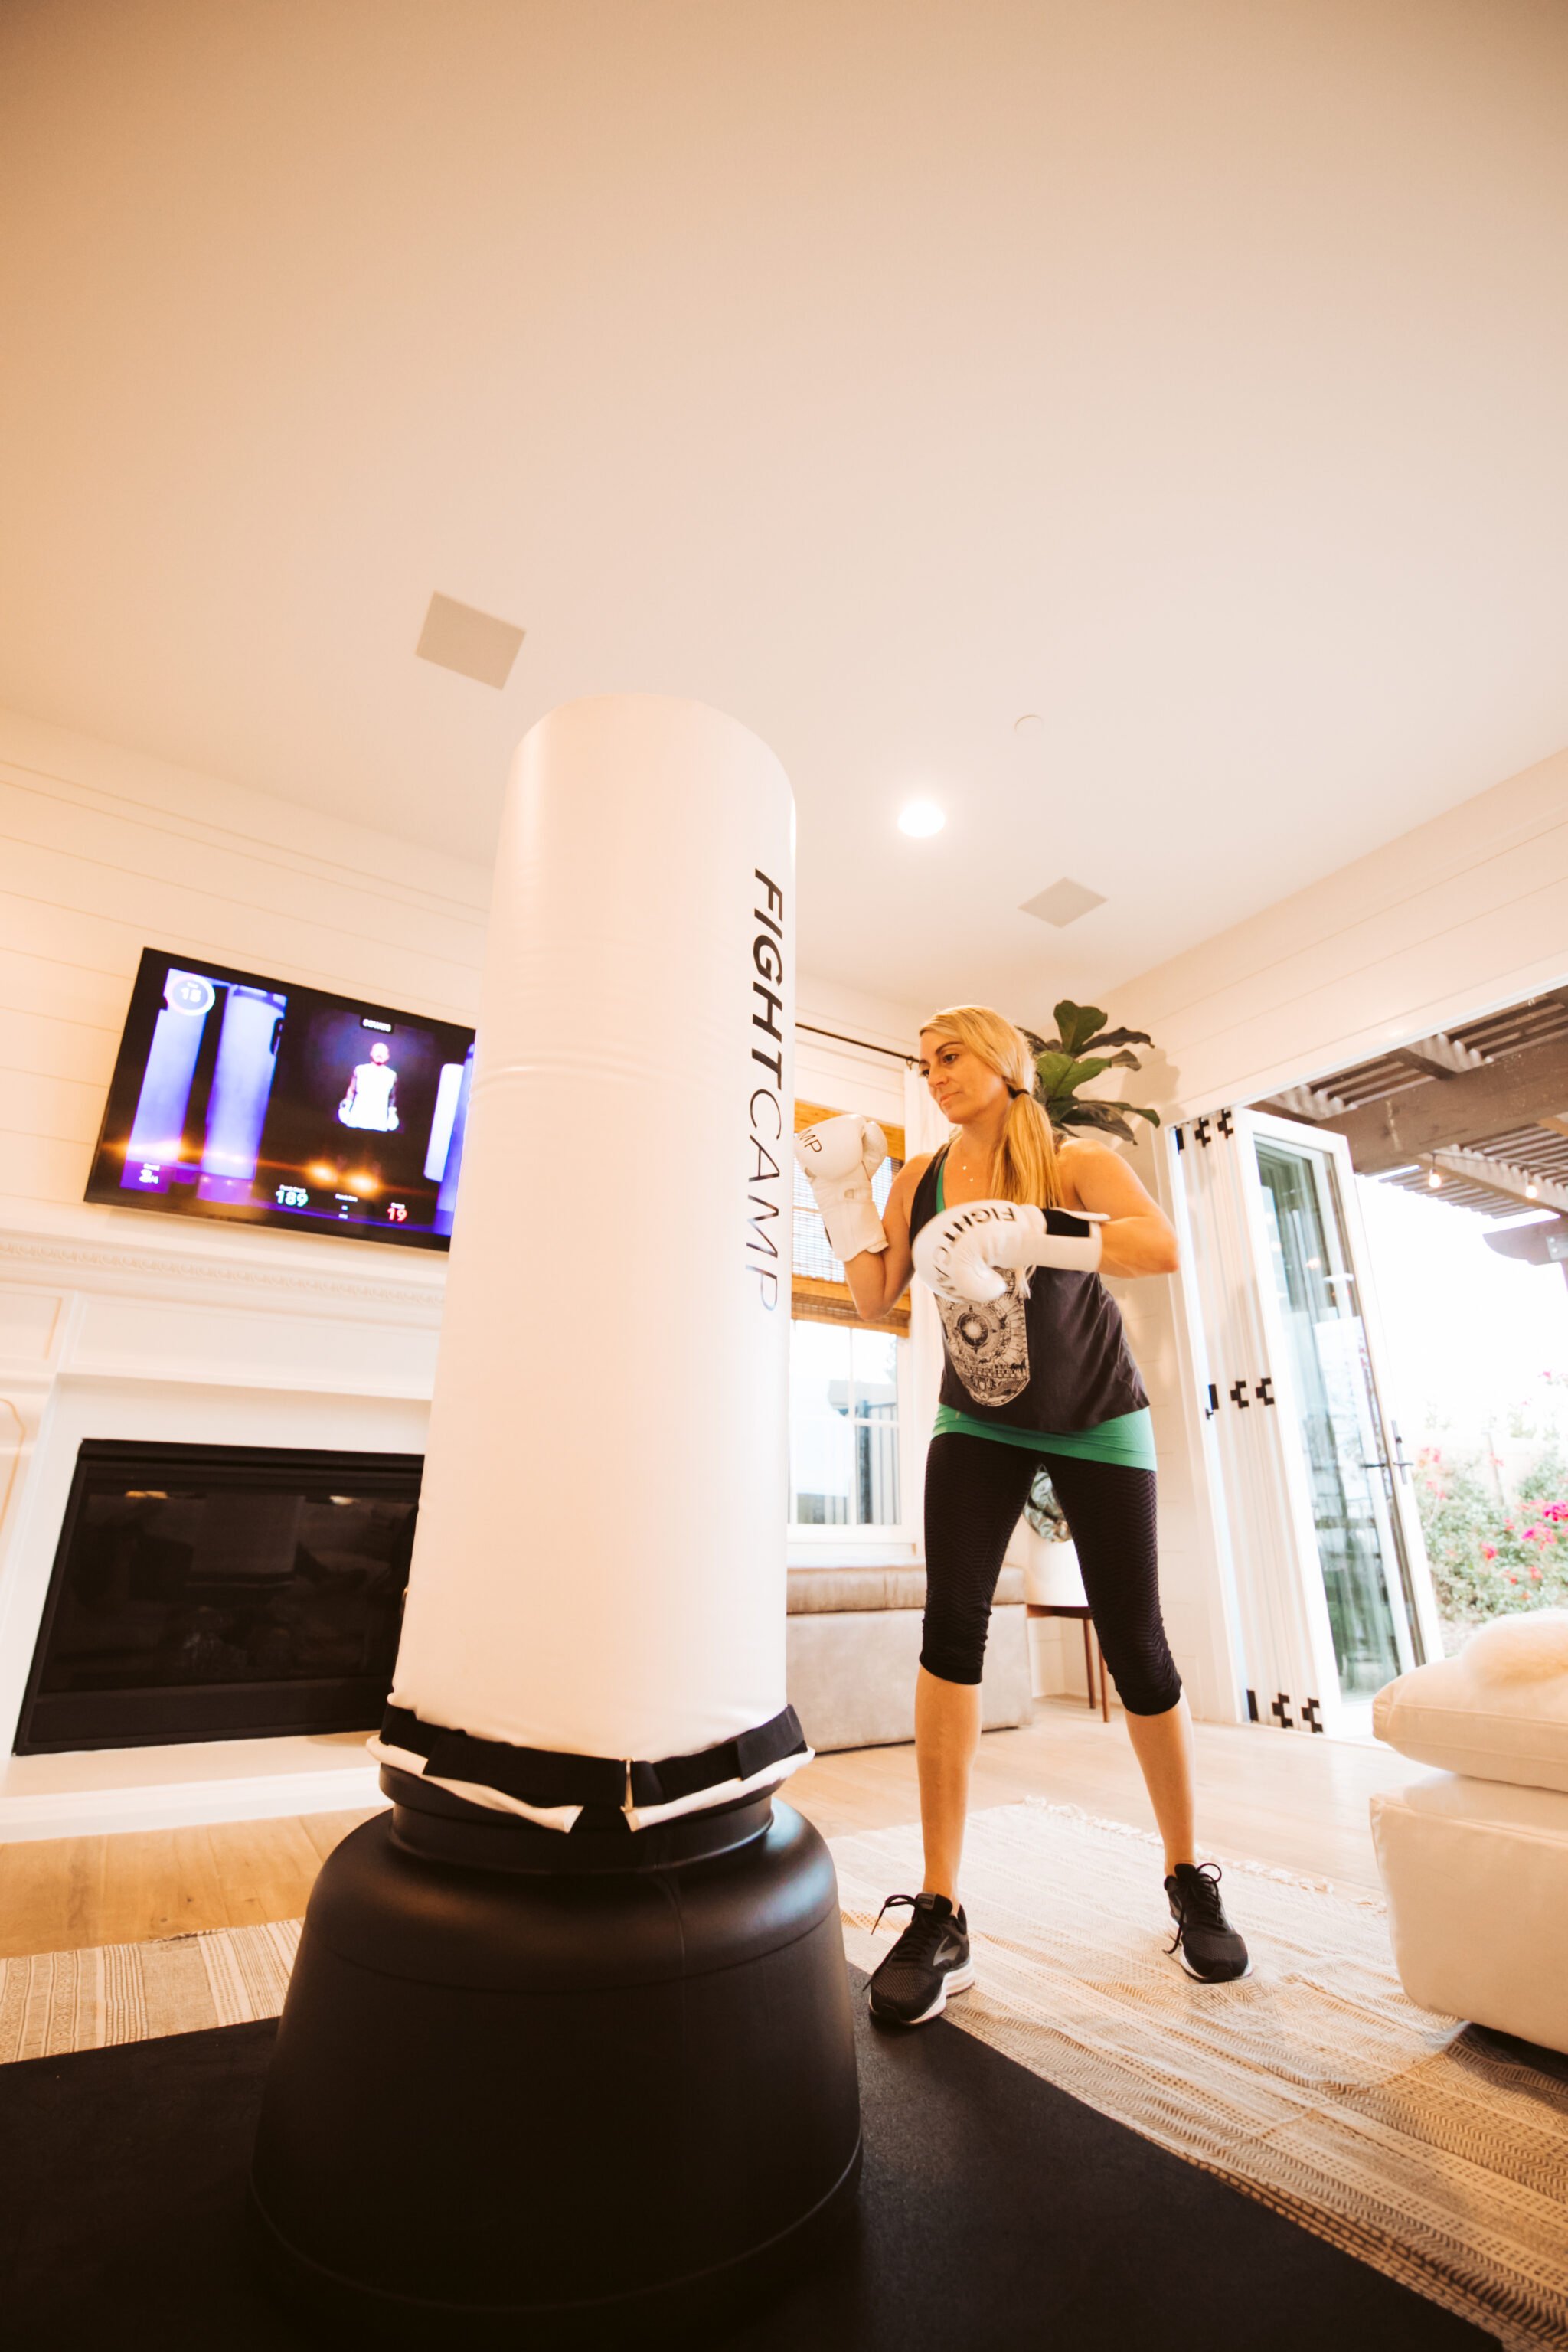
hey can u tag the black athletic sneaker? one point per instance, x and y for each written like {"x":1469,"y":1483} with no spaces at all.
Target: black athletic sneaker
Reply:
{"x":1205,"y":1942}
{"x":929,"y":1960}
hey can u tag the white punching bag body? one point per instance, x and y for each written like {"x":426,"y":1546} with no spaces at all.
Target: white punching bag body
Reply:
{"x":599,"y":1566}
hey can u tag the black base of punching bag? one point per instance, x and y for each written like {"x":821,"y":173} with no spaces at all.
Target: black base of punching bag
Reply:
{"x":561,"y":2091}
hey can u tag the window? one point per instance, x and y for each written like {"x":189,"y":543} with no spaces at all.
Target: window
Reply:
{"x":844,"y":1426}
{"x":844,"y":1374}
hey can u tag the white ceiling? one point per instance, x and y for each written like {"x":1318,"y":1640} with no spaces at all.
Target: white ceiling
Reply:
{"x":1191,"y":372}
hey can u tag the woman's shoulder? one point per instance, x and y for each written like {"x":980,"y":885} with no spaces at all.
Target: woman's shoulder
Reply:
{"x":911,"y":1174}
{"x":1079,"y":1156}
{"x":1081,"y":1151}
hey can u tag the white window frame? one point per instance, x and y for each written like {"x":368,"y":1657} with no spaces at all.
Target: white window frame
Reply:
{"x":897,"y":1541}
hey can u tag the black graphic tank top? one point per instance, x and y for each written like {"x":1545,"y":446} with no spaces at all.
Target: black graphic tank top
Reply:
{"x":1056,"y":1360}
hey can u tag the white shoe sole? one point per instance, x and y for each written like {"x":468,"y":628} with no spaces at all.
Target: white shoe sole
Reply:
{"x":1181,"y":1954}
{"x":956,"y":1981}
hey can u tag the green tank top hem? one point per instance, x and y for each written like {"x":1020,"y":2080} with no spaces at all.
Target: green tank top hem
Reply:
{"x":1128,"y":1438}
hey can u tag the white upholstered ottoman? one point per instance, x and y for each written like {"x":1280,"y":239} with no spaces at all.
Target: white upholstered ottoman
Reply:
{"x":1474,"y":1859}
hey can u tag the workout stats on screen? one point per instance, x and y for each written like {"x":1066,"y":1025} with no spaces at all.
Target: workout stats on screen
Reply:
{"x":240,"y":1098}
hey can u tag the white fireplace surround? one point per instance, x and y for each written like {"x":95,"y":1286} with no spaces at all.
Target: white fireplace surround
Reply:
{"x":194,"y":1335}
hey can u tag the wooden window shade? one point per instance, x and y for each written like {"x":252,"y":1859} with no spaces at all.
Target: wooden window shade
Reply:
{"x":819,"y":1291}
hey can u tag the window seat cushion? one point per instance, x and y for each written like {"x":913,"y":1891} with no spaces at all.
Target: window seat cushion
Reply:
{"x":816,"y":1590}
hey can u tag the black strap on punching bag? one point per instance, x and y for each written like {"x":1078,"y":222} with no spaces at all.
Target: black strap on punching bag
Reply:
{"x":546,"y":1776}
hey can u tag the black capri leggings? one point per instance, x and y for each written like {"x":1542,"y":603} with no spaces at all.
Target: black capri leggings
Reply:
{"x":975,"y":1489}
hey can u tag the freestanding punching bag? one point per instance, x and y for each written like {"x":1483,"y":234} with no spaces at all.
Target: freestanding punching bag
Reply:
{"x":567,"y":2058}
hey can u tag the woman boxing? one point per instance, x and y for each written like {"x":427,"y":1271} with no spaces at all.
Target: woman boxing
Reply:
{"x":1012,"y":1229}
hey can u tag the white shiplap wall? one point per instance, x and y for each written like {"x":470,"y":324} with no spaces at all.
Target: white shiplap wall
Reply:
{"x":104,"y":852}
{"x":113,"y":1323}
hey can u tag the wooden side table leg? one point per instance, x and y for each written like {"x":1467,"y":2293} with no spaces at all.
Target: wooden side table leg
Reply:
{"x":1104,"y":1688}
{"x":1088,"y":1664}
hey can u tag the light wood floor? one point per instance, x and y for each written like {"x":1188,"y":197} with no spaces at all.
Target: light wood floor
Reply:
{"x":1299,"y":1804}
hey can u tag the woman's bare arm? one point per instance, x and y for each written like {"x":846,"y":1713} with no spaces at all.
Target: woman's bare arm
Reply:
{"x":878,"y":1278}
{"x":1138,"y":1238}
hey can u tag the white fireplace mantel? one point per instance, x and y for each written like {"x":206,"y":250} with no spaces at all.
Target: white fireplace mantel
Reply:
{"x":114,"y":1326}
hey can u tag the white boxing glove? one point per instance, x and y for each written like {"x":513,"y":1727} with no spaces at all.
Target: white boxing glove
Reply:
{"x":839,"y":1157}
{"x":960,"y":1254}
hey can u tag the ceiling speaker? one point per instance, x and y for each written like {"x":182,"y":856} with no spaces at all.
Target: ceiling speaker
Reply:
{"x":1063,"y":903}
{"x":475,"y":645}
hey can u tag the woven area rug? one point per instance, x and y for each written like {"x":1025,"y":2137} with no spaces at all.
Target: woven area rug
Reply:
{"x":60,"y":2001}
{"x":1314,"y":2085}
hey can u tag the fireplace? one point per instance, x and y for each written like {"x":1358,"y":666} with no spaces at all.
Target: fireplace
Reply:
{"x":221,"y":1593}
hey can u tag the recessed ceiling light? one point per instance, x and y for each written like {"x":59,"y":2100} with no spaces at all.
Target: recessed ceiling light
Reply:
{"x":475,"y":644}
{"x":920,"y":819}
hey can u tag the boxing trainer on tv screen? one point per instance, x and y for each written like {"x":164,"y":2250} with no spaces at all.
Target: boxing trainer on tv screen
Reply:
{"x":241,"y":1098}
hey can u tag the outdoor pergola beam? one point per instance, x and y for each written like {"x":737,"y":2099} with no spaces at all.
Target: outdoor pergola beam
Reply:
{"x":1517,"y":1090}
{"x":1498,"y":1176}
{"x":1439,"y":1057}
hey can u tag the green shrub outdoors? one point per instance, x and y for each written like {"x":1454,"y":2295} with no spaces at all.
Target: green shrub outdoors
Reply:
{"x":1490,"y":1555}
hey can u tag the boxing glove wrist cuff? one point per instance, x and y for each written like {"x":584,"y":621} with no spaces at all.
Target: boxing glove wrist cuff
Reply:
{"x":852,"y":1223}
{"x":1076,"y":1253}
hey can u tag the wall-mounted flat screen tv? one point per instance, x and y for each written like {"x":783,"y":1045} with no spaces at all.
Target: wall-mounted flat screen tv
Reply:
{"x":241,"y":1098}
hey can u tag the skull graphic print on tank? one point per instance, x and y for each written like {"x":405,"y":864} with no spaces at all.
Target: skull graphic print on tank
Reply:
{"x":988,"y":1347}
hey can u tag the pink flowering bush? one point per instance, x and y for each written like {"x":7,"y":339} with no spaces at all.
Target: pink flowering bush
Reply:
{"x":1490,"y":1558}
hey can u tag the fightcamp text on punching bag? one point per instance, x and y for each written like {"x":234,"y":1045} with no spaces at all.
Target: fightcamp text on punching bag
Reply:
{"x":767,"y":1127}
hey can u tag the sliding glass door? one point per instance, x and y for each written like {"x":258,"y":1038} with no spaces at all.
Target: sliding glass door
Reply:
{"x":1328,"y":1592}
{"x":1351,"y":1453}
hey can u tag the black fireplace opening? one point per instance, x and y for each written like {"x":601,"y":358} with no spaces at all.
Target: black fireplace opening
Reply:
{"x":221,"y":1593}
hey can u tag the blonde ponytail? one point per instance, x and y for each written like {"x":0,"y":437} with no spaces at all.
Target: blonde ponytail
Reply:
{"x":1026,"y":1166}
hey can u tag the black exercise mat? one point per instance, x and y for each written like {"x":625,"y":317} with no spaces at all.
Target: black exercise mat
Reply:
{"x":995,"y":2211}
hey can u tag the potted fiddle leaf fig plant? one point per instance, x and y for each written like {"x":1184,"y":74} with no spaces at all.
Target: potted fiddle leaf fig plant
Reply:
{"x":1082,"y":1050}
{"x":1050,"y":1558}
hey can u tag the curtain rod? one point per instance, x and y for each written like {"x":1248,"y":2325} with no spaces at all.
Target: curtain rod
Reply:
{"x":860,"y":1043}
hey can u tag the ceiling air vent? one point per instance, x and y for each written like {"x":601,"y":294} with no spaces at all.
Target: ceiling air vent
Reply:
{"x":1063,"y":903}
{"x":475,"y":645}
